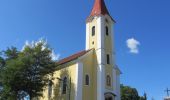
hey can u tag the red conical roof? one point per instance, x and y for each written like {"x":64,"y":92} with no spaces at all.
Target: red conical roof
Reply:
{"x":99,"y":8}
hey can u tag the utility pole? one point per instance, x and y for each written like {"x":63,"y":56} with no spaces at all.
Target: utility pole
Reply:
{"x":167,"y":91}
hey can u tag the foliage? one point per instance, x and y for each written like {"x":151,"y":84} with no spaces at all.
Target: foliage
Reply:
{"x":2,"y":62}
{"x":11,"y":53}
{"x":144,"y":97}
{"x":129,"y":93}
{"x":24,"y":72}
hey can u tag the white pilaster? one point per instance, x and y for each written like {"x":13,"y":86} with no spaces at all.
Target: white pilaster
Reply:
{"x":100,"y":82}
{"x":100,"y":32}
{"x":87,"y":35}
{"x":114,"y":81}
{"x":79,"y":81}
{"x":118,"y":87}
{"x":100,"y":58}
{"x":100,"y":40}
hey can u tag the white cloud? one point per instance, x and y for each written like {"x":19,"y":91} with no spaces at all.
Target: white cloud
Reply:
{"x":54,"y":56}
{"x":32,"y":43}
{"x":133,"y":44}
{"x":26,"y":44}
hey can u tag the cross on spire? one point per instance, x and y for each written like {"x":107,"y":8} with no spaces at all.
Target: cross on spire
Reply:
{"x":167,"y":91}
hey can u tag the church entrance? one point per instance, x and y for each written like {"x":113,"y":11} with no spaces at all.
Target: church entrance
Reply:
{"x":109,"y":96}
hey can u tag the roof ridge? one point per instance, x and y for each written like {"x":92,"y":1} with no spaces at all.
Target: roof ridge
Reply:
{"x":72,"y":57}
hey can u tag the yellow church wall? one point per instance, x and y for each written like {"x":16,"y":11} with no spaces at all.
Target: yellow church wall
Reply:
{"x":108,"y":50}
{"x":89,"y":67}
{"x":108,"y":71}
{"x":69,"y":70}
{"x":93,"y":38}
{"x":108,"y":40}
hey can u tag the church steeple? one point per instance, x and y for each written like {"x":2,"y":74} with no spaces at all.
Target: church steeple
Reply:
{"x":100,"y":37}
{"x":99,"y":8}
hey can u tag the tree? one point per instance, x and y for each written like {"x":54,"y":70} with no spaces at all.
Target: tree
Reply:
{"x":25,"y":72}
{"x":144,"y":97}
{"x":9,"y":54}
{"x":129,"y":93}
{"x":2,"y":62}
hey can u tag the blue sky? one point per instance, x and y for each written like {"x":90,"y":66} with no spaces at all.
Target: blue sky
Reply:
{"x":62,"y":23}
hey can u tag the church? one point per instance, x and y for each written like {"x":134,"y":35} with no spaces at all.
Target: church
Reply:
{"x":91,"y":74}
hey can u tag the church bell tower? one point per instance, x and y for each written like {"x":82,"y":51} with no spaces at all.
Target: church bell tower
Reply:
{"x":99,"y":36}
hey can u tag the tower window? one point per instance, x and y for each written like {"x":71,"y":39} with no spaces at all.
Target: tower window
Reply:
{"x":107,"y":31}
{"x":64,"y":85}
{"x":87,"y":80}
{"x":108,"y":59}
{"x":106,"y":20}
{"x":93,"y":31}
{"x":49,"y":89}
{"x":108,"y":80}
{"x":93,"y":42}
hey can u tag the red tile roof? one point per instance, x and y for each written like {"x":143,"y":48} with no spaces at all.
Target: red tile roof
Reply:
{"x":99,"y":8}
{"x":72,"y":57}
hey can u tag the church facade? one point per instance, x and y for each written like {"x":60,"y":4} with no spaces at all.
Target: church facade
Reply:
{"x":91,"y":74}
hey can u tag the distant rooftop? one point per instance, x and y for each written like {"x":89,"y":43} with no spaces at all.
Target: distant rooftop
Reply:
{"x":167,"y":98}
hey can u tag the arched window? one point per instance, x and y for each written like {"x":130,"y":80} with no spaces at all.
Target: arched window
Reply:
{"x":64,"y":85}
{"x":49,"y":88}
{"x":108,"y":80}
{"x":106,"y":20}
{"x":107,"y":30}
{"x":87,"y":80}
{"x":93,"y":30}
{"x":108,"y":59}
